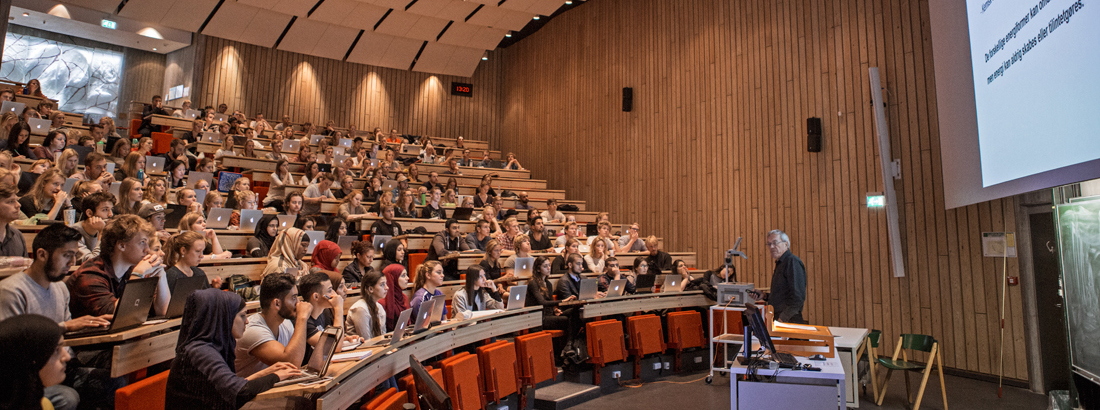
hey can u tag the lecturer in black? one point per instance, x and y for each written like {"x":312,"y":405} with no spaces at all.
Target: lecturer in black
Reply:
{"x":788,"y":290}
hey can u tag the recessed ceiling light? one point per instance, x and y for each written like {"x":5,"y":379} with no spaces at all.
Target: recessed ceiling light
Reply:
{"x":508,"y":35}
{"x":536,"y":17}
{"x":154,"y":49}
{"x":26,"y":14}
{"x":568,"y":2}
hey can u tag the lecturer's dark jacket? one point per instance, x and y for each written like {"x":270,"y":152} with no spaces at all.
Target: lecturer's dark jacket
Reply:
{"x":788,"y":290}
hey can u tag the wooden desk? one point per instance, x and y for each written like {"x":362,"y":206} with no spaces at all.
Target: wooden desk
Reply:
{"x":352,"y":379}
{"x":135,"y":351}
{"x":170,"y":121}
{"x":643,"y":302}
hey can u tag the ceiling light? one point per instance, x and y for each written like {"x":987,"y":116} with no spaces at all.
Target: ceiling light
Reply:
{"x":151,"y":33}
{"x":568,"y":2}
{"x":508,"y":35}
{"x":154,"y":49}
{"x":26,"y":14}
{"x":536,"y":17}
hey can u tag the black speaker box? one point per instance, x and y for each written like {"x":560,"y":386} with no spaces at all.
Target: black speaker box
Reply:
{"x":628,"y":99}
{"x":813,"y":134}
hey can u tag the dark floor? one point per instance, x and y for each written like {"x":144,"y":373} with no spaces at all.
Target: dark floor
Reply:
{"x":692,"y":393}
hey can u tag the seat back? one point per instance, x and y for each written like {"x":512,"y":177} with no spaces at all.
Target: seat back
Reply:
{"x":874,"y":337}
{"x":377,"y":402}
{"x":135,"y":125}
{"x":499,"y":370}
{"x":462,"y":380}
{"x":162,"y":141}
{"x":606,"y":342}
{"x":535,"y":353}
{"x":646,"y":335}
{"x":685,"y":330}
{"x":917,"y":342}
{"x":147,"y":394}
{"x":409,"y":386}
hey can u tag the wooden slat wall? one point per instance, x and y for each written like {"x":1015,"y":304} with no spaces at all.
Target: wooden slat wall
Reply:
{"x":715,"y":149}
{"x":262,"y":80}
{"x":143,"y":78}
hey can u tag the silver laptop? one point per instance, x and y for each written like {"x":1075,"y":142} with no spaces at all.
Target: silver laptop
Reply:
{"x":191,"y":114}
{"x":437,"y":311}
{"x":345,"y":142}
{"x":411,"y":149}
{"x":291,"y":145}
{"x":110,"y":168}
{"x":588,"y":289}
{"x":154,"y":164}
{"x":69,"y":184}
{"x":39,"y":127}
{"x":379,"y":241}
{"x":313,"y":139}
{"x":200,"y":195}
{"x":315,"y":237}
{"x":389,"y":184}
{"x":322,"y":355}
{"x":114,"y":188}
{"x":673,"y":283}
{"x":338,"y":151}
{"x":249,"y":219}
{"x":424,"y":314}
{"x":398,"y":331}
{"x":345,"y":244}
{"x":616,"y":288}
{"x":212,"y":137}
{"x":339,"y":158}
{"x":13,"y":107}
{"x":517,"y":297}
{"x":218,"y":117}
{"x":286,"y":221}
{"x":195,"y":176}
{"x":525,"y":267}
{"x":218,"y":218}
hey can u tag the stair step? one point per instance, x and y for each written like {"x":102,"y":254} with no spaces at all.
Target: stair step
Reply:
{"x":563,"y":395}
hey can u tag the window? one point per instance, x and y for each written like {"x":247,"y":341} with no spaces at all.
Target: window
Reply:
{"x":82,"y":79}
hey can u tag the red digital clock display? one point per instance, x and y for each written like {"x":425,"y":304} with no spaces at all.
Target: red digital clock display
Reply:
{"x":462,"y":89}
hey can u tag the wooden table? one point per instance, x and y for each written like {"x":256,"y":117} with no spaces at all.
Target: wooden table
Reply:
{"x":170,"y":121}
{"x":135,"y":349}
{"x":352,"y":379}
{"x":643,"y":302}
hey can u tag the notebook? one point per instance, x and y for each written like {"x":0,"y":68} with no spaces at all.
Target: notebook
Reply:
{"x":517,"y":297}
{"x":379,"y":241}
{"x":219,"y":117}
{"x":398,"y":331}
{"x":212,"y":137}
{"x":218,"y":218}
{"x":673,"y":283}
{"x":195,"y":176}
{"x":588,"y":289}
{"x":154,"y":164}
{"x":13,"y":107}
{"x":616,"y":288}
{"x":315,"y":237}
{"x":346,"y":143}
{"x":132,"y":309}
{"x":184,"y":288}
{"x":345,"y":244}
{"x":39,"y":127}
{"x":322,"y":355}
{"x":291,"y":145}
{"x":524,"y":267}
{"x":286,"y":221}
{"x":191,"y":114}
{"x":249,"y":219}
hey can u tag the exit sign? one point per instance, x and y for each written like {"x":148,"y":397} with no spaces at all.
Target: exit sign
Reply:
{"x":108,"y":24}
{"x":876,"y":200}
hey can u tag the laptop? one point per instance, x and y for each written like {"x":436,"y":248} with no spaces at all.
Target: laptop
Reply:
{"x":424,"y":315}
{"x":110,"y":168}
{"x":588,"y":289}
{"x":219,"y":117}
{"x":379,"y":241}
{"x":326,"y":168}
{"x":616,"y":288}
{"x":525,"y":267}
{"x":437,"y":311}
{"x":673,"y":283}
{"x":318,"y":363}
{"x":462,"y":214}
{"x":212,"y":137}
{"x":398,"y":331}
{"x":173,"y":218}
{"x":195,"y":176}
{"x":249,"y":219}
{"x":39,"y":127}
{"x":114,"y":188}
{"x":344,"y":242}
{"x":286,"y":221}
{"x":154,"y":164}
{"x":218,"y":218}
{"x":389,"y":184}
{"x":69,"y":183}
{"x":338,"y":151}
{"x":191,"y":114}
{"x":13,"y":107}
{"x":517,"y":297}
{"x":291,"y":145}
{"x":184,"y":287}
{"x":315,"y":237}
{"x":410,"y":149}
{"x":345,"y":142}
{"x":81,"y":152}
{"x":131,"y":311}
{"x":315,"y":138}
{"x":200,"y":195}
{"x":591,"y":229}
{"x":644,"y":283}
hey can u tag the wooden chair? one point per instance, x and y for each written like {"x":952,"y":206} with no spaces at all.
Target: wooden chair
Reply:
{"x":922,"y":343}
{"x":868,"y":351}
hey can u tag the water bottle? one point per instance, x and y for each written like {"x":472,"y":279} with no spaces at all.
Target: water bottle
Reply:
{"x":99,"y":146}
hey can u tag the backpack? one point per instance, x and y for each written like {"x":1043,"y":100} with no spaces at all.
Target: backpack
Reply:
{"x":568,"y":208}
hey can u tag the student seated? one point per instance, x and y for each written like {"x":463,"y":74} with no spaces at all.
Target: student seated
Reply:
{"x":12,"y":242}
{"x":46,"y":196}
{"x":386,"y":225}
{"x":184,"y":253}
{"x":522,"y":245}
{"x":570,"y":232}
{"x":611,"y":272}
{"x":475,"y":296}
{"x":551,"y":214}
{"x":363,"y":252}
{"x":597,"y":256}
{"x":197,"y":223}
{"x":630,"y":242}
{"x":259,"y":245}
{"x":95,"y":288}
{"x":479,"y":238}
{"x":604,"y":229}
{"x":429,"y":277}
{"x":32,"y":360}
{"x":130,"y":192}
{"x":278,"y":332}
{"x":540,"y":239}
{"x":397,"y":279}
{"x":287,"y":253}
{"x":561,"y":262}
{"x":327,"y":307}
{"x":316,"y":192}
{"x":658,"y":260}
{"x":367,"y":317}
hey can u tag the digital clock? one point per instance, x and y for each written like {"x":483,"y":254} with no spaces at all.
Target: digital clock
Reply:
{"x":463,"y":89}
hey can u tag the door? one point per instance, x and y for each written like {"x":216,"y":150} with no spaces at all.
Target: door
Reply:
{"x":1051,"y":317}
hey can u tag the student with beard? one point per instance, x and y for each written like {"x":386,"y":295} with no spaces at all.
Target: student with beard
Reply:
{"x":278,"y":332}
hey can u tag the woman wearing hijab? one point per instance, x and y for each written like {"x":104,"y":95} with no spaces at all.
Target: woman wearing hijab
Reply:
{"x":325,"y":256}
{"x":397,"y":278}
{"x":287,"y":252}
{"x":393,"y":252}
{"x":259,"y":245}
{"x":203,"y":375}
{"x":31,"y":359}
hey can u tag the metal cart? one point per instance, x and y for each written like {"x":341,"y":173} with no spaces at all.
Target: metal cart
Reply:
{"x":726,"y":337}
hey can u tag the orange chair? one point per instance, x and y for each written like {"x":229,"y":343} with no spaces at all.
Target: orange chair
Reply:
{"x":462,"y":380}
{"x":162,"y":141}
{"x":390,"y":399}
{"x":500,"y":370}
{"x":409,"y":386}
{"x":685,"y":331}
{"x":147,"y":394}
{"x":135,"y":126}
{"x":606,"y":344}
{"x":646,"y":337}
{"x":415,"y":259}
{"x":535,"y":354}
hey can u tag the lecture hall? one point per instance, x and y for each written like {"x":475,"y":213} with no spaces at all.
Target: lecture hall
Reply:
{"x":549,"y":204}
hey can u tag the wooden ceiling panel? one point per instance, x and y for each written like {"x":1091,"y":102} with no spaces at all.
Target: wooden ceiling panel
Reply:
{"x":230,"y":21}
{"x":144,"y":10}
{"x":434,"y":58}
{"x":426,"y":28}
{"x":486,"y":38}
{"x":293,"y":7}
{"x":398,"y":23}
{"x":265,"y":28}
{"x":303,"y":36}
{"x":463,"y":62}
{"x":545,"y":7}
{"x":459,"y":33}
{"x":457,"y":10}
{"x":334,"y":11}
{"x":189,"y":15}
{"x":334,"y":42}
{"x":513,"y":20}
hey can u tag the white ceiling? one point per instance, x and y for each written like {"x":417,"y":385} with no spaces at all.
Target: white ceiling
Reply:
{"x":453,"y":34}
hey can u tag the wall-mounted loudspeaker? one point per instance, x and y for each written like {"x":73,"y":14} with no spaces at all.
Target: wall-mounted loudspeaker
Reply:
{"x":628,"y":99}
{"x":813,"y":134}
